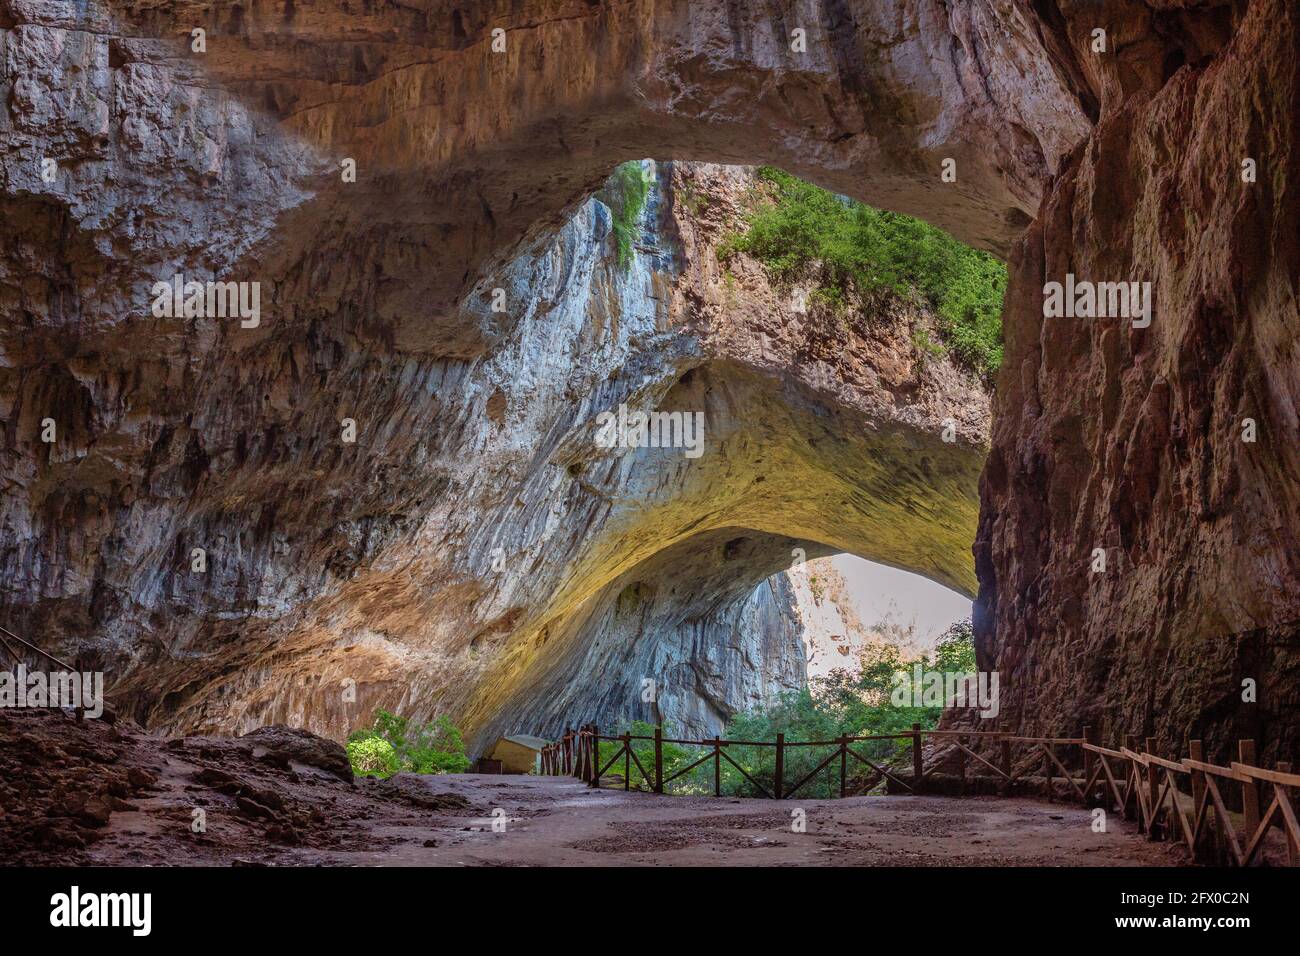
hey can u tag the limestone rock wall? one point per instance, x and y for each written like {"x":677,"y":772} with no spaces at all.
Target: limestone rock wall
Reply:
{"x":475,"y":552}
{"x":1132,"y":440}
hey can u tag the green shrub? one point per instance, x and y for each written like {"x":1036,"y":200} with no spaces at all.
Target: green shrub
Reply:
{"x":372,"y":757}
{"x":674,"y":756}
{"x":804,"y":231}
{"x":435,"y":747}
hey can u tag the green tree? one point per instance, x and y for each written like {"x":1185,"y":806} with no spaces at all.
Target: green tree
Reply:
{"x":625,"y":193}
{"x":855,"y":703}
{"x":435,"y":747}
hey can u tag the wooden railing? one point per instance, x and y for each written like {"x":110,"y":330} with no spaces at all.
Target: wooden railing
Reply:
{"x":21,"y":649}
{"x":1135,"y":781}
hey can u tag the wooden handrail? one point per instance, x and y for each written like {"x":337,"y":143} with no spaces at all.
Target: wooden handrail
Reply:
{"x":1140,"y":783}
{"x":1241,"y":771}
{"x":48,"y":656}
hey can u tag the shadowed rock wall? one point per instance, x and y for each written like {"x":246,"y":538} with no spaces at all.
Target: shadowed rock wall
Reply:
{"x":1131,"y":440}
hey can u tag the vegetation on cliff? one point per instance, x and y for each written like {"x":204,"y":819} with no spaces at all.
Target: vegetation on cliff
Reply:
{"x":625,"y":194}
{"x":801,"y":231}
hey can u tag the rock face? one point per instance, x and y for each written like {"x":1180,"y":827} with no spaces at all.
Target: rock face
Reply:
{"x":92,"y":792}
{"x":685,"y":639}
{"x":228,"y":161}
{"x":372,"y":561}
{"x":477,"y":551}
{"x":1134,"y":440}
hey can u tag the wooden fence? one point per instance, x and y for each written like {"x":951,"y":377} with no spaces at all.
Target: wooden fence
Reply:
{"x":1134,"y":780}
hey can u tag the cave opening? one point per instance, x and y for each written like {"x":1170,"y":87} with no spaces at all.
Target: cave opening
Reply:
{"x":391,"y":483}
{"x":844,"y":391}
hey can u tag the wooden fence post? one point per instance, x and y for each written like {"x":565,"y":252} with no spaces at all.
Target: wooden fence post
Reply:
{"x":1155,"y":832}
{"x":1292,"y":847}
{"x":1005,"y":748}
{"x":1047,"y":774}
{"x":1249,"y":788}
{"x":1134,"y":805}
{"x":844,"y":764}
{"x":917,"y":774}
{"x":595,"y":758}
{"x":627,"y":761}
{"x":717,"y":766}
{"x":1196,"y":750}
{"x":780,"y":764}
{"x":659,"y":760}
{"x":1089,"y":760}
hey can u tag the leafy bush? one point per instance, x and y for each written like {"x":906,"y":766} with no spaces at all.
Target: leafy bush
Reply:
{"x":675,"y":756}
{"x":435,"y":747}
{"x":804,"y":230}
{"x":372,"y":757}
{"x":955,"y":650}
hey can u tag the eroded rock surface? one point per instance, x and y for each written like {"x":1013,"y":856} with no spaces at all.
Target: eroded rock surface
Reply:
{"x":332,"y":561}
{"x":1131,"y":440}
{"x":103,"y":792}
{"x":476,"y":552}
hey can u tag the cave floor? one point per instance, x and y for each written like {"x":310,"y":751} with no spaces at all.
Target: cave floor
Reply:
{"x":559,"y":821}
{"x":99,"y":793}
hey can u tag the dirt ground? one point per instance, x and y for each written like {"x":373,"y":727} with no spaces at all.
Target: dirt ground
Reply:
{"x":559,"y":821}
{"x":101,"y":793}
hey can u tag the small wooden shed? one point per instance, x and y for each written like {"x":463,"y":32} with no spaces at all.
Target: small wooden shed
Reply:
{"x":518,"y":753}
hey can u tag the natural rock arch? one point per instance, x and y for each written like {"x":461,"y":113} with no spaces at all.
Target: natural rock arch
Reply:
{"x":1104,"y":437}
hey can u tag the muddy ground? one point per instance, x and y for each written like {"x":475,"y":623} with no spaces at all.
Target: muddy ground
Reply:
{"x":103,"y":793}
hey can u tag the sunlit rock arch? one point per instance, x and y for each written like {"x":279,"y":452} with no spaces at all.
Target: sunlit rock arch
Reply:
{"x":447,"y":190}
{"x":791,"y":474}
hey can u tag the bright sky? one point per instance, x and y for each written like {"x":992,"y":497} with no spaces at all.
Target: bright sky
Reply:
{"x":881,"y":592}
